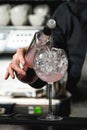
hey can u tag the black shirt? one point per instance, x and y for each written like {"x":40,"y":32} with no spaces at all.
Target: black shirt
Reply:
{"x":71,"y":35}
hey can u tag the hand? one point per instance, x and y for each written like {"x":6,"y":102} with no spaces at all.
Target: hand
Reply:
{"x":18,"y":58}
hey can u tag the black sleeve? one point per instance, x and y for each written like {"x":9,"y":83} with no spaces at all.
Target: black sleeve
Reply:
{"x":38,"y":84}
{"x":60,"y":32}
{"x":34,"y":83}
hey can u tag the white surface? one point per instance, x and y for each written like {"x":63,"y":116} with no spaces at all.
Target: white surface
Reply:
{"x":19,"y":13}
{"x":19,"y":38}
{"x":12,"y":38}
{"x":10,"y":85}
{"x":29,"y":101}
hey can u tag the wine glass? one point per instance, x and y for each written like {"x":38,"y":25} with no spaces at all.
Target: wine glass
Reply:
{"x":50,"y":65}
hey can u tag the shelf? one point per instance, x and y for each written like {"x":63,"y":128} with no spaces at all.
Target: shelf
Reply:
{"x":32,"y":1}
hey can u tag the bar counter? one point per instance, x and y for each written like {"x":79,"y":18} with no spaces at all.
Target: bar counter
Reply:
{"x":26,"y":120}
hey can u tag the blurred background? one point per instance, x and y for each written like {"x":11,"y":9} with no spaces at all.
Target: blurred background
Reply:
{"x":19,"y":20}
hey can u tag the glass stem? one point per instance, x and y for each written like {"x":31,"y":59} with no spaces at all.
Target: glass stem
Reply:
{"x":49,"y":90}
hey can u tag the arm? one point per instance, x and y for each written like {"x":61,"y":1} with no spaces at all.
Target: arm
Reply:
{"x":14,"y":66}
{"x":18,"y":58}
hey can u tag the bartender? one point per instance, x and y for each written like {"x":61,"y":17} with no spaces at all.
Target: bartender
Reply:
{"x":70,"y":34}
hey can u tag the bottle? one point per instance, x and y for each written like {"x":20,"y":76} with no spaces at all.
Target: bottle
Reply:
{"x":38,"y":40}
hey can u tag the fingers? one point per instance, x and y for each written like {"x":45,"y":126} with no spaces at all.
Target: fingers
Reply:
{"x":21,"y":53}
{"x":9,"y":72}
{"x":13,"y":67}
{"x":17,"y":60}
{"x":16,"y":67}
{"x":6,"y":75}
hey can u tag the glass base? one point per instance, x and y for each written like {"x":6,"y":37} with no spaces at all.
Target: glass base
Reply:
{"x":50,"y":117}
